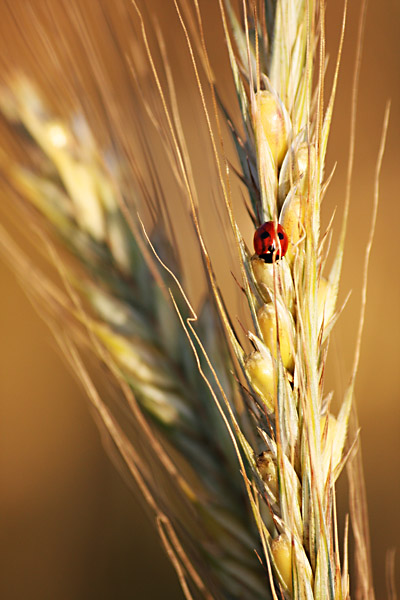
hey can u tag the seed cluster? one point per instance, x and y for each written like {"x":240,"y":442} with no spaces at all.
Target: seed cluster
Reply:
{"x":292,"y":302}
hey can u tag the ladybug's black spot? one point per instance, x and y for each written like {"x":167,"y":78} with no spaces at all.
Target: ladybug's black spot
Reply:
{"x":270,"y":256}
{"x":280,"y":235}
{"x":264,"y":235}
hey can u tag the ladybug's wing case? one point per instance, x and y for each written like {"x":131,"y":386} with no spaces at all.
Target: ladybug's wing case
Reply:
{"x":262,"y":237}
{"x":270,"y":242}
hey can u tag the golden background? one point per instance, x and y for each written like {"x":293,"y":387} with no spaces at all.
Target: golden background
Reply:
{"x":69,"y":527}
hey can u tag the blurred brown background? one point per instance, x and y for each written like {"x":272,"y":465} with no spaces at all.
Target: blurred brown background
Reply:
{"x":69,"y":528}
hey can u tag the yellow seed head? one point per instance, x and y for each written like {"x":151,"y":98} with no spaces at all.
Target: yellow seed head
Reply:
{"x":281,"y":549}
{"x":273,"y":123}
{"x":295,"y":171}
{"x":56,"y":134}
{"x":264,"y":276}
{"x":284,"y":560}
{"x":291,"y":219}
{"x":267,"y":468}
{"x":260,"y":372}
{"x":267,"y":321}
{"x":306,"y":159}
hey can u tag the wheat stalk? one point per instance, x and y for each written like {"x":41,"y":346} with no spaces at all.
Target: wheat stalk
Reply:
{"x":229,"y":436}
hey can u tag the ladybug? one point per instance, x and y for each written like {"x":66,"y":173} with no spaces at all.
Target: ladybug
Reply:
{"x":270,"y":242}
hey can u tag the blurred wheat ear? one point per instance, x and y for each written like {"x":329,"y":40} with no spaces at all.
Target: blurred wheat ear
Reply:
{"x":227,"y":430}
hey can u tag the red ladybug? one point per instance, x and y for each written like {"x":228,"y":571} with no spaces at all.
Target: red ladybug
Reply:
{"x":270,"y":242}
